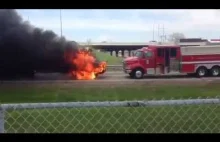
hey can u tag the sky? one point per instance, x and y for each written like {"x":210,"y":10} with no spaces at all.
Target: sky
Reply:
{"x":125,"y":25}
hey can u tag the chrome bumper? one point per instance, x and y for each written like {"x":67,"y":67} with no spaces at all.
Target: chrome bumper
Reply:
{"x":125,"y":69}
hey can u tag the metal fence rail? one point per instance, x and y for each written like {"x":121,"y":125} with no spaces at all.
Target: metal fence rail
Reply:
{"x":192,"y":115}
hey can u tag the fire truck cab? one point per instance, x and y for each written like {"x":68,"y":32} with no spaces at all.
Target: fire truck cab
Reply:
{"x":164,"y":59}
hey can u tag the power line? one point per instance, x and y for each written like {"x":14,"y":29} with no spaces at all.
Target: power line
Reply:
{"x":161,"y":37}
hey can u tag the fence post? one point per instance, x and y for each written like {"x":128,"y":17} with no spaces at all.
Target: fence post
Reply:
{"x":2,"y":120}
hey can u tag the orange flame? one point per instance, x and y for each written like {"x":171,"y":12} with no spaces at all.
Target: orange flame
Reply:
{"x":86,"y":68}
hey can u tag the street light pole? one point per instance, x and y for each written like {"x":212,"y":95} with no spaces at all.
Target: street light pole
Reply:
{"x":153,"y":31}
{"x":61,"y":27}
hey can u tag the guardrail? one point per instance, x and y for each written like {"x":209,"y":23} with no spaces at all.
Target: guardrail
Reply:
{"x":114,"y":67}
{"x":157,"y":116}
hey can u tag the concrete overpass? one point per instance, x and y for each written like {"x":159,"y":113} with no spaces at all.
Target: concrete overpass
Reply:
{"x":119,"y":46}
{"x":122,"y":47}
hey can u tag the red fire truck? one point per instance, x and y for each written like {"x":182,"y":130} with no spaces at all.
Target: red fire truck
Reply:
{"x":164,"y":59}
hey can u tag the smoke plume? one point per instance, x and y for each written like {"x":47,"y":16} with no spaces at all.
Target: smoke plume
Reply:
{"x":25,"y":48}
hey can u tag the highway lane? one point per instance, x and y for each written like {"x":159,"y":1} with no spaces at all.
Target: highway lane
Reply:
{"x":115,"y":78}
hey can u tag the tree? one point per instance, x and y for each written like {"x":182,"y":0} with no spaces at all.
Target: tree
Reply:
{"x":175,"y":37}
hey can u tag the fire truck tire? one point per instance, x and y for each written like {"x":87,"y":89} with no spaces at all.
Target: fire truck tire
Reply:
{"x":215,"y":71}
{"x":201,"y":72}
{"x":131,"y":74}
{"x":138,"y":74}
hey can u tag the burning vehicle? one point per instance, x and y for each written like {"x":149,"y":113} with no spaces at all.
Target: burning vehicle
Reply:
{"x":27,"y":49}
{"x":84,"y":65}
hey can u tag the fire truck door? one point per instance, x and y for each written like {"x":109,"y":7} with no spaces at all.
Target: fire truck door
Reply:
{"x":167,"y":57}
{"x":149,"y":62}
{"x":174,"y":60}
{"x":167,"y":60}
{"x":160,"y":61}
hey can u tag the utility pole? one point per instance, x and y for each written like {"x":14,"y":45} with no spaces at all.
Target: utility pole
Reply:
{"x":158,"y":32}
{"x":61,"y":27}
{"x":163,"y":36}
{"x":153,"y":31}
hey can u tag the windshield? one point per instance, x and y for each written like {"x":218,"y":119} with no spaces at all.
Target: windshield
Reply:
{"x":138,"y":54}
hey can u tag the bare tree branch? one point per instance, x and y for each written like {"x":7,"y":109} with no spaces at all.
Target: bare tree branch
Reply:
{"x":175,"y":37}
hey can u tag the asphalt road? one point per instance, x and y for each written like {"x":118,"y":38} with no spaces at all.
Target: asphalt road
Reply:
{"x":119,"y":78}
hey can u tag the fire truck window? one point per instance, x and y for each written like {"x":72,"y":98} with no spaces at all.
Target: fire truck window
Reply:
{"x":139,"y":54}
{"x":160,"y":52}
{"x":173,"y":52}
{"x":148,"y":54}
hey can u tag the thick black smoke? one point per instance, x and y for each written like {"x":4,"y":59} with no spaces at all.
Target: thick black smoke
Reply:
{"x":25,"y":49}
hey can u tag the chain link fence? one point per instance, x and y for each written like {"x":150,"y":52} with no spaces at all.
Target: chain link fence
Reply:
{"x":162,"y":116}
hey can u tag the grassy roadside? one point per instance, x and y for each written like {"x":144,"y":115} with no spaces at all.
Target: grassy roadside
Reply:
{"x":163,"y":119}
{"x":24,"y":94}
{"x":111,"y":60}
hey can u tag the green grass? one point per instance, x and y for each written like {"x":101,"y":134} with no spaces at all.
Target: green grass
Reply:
{"x":132,"y":120}
{"x":111,"y":60}
{"x":19,"y":94}
{"x":193,"y":118}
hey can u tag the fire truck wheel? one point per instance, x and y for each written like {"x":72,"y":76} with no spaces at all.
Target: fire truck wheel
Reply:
{"x":201,"y":72}
{"x":138,"y":74}
{"x":215,"y":71}
{"x":131,"y":74}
